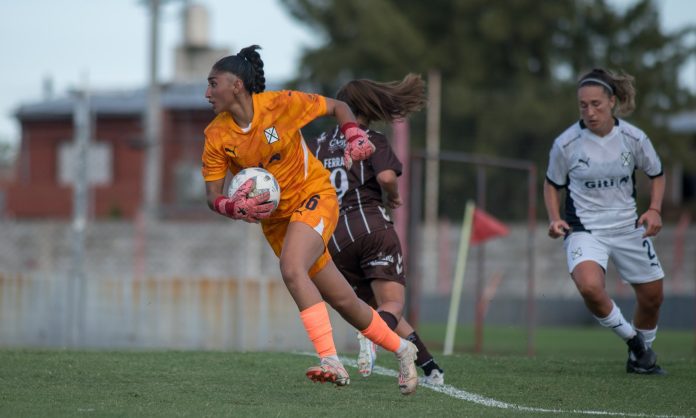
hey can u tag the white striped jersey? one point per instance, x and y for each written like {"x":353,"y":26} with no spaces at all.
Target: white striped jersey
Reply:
{"x":599,"y":174}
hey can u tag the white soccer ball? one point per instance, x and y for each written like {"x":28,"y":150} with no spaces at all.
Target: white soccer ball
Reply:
{"x":264,"y":181}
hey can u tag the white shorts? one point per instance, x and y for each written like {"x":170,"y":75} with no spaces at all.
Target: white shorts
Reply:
{"x":634,"y":256}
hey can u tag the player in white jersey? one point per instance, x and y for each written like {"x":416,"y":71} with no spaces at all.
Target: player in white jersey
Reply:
{"x":595,"y":161}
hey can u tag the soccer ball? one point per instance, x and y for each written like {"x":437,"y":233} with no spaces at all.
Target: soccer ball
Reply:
{"x":264,"y":181}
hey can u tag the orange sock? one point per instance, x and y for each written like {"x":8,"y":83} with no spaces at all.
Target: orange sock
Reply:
{"x":316,"y":322}
{"x":379,"y":333}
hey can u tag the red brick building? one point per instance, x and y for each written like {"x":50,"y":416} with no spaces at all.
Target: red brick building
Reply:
{"x":40,"y":184}
{"x":38,"y":187}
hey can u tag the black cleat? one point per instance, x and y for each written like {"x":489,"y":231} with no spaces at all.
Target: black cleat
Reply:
{"x":632,"y":367}
{"x":641,"y":358}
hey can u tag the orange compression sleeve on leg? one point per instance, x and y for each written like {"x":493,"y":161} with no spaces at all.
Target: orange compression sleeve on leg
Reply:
{"x":379,"y":333}
{"x":316,"y":322}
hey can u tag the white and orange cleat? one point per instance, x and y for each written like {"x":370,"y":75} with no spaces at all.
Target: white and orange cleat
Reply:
{"x":367,"y":355}
{"x":329,"y":370}
{"x":408,"y":374}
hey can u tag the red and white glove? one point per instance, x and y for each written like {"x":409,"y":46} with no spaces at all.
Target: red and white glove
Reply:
{"x":248,"y":209}
{"x":358,"y":145}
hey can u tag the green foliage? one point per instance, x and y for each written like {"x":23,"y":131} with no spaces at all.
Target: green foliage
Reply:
{"x":508,"y":67}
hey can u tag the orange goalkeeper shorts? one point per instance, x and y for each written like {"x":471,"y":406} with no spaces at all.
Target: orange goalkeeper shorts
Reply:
{"x":320,"y":212}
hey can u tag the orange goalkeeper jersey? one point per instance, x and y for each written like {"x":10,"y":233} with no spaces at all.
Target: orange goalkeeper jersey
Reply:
{"x":274,"y":142}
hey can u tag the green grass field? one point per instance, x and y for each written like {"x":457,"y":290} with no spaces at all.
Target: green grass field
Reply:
{"x":575,"y":372}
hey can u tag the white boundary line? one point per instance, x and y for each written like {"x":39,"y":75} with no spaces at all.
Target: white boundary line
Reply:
{"x":493,"y":403}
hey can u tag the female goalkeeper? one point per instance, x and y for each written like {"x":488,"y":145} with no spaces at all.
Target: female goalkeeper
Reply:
{"x":254,"y":128}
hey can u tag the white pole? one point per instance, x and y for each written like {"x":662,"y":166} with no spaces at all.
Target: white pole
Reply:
{"x":432,"y":180}
{"x":153,"y":151}
{"x":82,"y":129}
{"x":432,"y":164}
{"x":458,"y":278}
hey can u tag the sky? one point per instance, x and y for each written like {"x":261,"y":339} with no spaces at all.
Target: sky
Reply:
{"x":104,"y":43}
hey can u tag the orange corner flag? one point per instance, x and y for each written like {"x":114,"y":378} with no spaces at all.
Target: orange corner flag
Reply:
{"x":486,"y":227}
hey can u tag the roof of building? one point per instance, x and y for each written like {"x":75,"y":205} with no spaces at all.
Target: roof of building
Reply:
{"x":122,"y":102}
{"x":176,"y":96}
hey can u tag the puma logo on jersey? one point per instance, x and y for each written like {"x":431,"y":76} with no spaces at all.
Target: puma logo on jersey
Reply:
{"x":231,"y":151}
{"x":586,"y":162}
{"x":271,"y":134}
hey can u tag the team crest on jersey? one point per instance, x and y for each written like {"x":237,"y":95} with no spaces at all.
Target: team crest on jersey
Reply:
{"x":625,"y":158}
{"x":271,"y":134}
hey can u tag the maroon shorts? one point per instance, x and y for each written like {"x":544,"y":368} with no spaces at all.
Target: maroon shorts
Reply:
{"x":376,"y":255}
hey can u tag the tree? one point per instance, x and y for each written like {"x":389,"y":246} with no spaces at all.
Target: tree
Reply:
{"x":508,"y":67}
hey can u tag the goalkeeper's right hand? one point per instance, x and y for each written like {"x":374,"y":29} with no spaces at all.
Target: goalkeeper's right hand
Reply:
{"x":248,"y":209}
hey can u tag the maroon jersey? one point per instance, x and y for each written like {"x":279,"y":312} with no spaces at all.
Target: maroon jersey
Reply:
{"x":360,"y":196}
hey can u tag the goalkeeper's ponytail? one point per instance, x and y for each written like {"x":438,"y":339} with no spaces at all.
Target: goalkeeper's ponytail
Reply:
{"x":247,"y":65}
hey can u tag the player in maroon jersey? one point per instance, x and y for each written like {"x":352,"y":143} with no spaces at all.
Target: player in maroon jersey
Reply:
{"x":365,"y":246}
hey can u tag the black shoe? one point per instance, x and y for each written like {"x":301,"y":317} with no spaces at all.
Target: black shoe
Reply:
{"x":633,"y":367}
{"x":641,"y":358}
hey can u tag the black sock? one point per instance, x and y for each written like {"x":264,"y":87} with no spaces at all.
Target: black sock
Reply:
{"x":424,"y":359}
{"x":390,"y":319}
{"x":429,"y":366}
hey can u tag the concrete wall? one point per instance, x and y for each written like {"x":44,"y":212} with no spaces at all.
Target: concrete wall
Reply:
{"x":215,"y":285}
{"x":208,"y":285}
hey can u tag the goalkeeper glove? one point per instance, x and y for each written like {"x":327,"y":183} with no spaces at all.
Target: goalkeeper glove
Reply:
{"x":358,"y":145}
{"x":248,"y":209}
